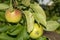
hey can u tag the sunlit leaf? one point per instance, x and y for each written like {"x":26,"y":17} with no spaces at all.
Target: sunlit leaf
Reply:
{"x":52,"y":25}
{"x":30,"y":20}
{"x":39,"y":14}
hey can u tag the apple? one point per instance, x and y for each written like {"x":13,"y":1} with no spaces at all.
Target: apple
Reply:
{"x":37,"y":31}
{"x":13,"y":16}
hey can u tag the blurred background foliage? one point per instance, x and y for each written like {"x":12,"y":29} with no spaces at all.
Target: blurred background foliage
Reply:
{"x":53,"y":11}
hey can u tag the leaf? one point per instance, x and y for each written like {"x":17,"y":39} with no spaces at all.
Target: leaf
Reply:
{"x":58,"y":30}
{"x":26,"y":2}
{"x":55,"y":18}
{"x":42,"y":38}
{"x":23,"y":35}
{"x":4,"y":36}
{"x":17,"y":30}
{"x":2,"y":16}
{"x":39,"y":14}
{"x":30,"y":20}
{"x":39,"y":18}
{"x":7,"y":27}
{"x":3,"y":6}
{"x":38,"y":9}
{"x":52,"y":25}
{"x":3,"y":28}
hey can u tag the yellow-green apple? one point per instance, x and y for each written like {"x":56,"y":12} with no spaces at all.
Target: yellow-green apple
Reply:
{"x":13,"y":16}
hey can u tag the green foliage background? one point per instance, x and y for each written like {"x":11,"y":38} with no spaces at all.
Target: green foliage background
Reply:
{"x":52,"y":13}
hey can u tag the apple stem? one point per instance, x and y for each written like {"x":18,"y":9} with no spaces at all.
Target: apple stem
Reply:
{"x":11,"y":7}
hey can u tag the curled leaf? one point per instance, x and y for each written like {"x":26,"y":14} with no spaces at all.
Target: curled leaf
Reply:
{"x":30,"y":20}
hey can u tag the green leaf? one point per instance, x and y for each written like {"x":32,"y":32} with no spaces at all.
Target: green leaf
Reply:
{"x":39,"y":14}
{"x":4,"y":36}
{"x":3,"y":28}
{"x":30,"y":20}
{"x":16,"y":30}
{"x":42,"y":38}
{"x":55,"y":18}
{"x":7,"y":27}
{"x":52,"y":25}
{"x":23,"y":35}
{"x":58,"y":30}
{"x":3,"y":6}
{"x":26,"y":2}
{"x":2,"y":16}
